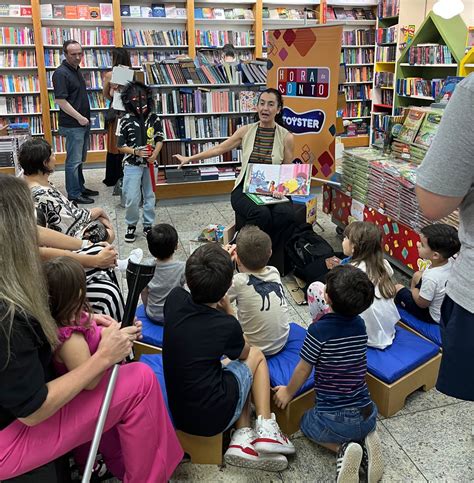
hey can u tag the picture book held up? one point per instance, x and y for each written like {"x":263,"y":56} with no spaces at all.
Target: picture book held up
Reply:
{"x":287,"y":179}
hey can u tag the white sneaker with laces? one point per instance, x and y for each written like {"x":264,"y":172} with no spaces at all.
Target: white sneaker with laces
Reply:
{"x":241,"y":452}
{"x":372,"y":459}
{"x":348,"y":460}
{"x":135,"y":256}
{"x":270,"y":439}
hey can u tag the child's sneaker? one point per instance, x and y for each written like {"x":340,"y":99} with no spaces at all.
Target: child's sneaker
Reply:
{"x":348,"y":462}
{"x":130,"y":235}
{"x":372,"y":460}
{"x":270,"y":439}
{"x":241,"y":452}
{"x":135,"y":256}
{"x":146,"y":230}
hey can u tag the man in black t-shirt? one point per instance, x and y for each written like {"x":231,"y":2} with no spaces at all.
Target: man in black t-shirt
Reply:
{"x":74,"y":119}
{"x":206,"y":393}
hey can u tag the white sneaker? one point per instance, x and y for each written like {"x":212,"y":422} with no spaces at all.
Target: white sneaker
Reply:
{"x":372,"y":459}
{"x":348,"y":460}
{"x":135,"y":256}
{"x":270,"y":439}
{"x":241,"y":452}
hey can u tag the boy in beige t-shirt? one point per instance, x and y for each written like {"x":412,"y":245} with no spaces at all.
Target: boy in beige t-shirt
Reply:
{"x":261,"y":304}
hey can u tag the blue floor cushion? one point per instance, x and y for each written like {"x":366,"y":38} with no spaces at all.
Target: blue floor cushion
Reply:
{"x":429,"y":330}
{"x":155,"y":362}
{"x":282,"y":365}
{"x":407,"y":352}
{"x":152,"y":333}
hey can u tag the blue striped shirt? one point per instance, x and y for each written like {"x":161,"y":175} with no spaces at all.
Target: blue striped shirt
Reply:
{"x":337,"y":347}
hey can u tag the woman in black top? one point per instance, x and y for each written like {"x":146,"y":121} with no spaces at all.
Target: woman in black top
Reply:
{"x":42,"y":418}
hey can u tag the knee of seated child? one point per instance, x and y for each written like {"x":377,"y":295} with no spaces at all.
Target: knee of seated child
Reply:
{"x":255,"y":356}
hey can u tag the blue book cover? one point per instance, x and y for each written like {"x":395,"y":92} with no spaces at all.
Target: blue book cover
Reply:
{"x":198,"y":13}
{"x":158,"y":10}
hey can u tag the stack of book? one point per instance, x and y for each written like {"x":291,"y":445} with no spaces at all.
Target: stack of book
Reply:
{"x":416,"y":86}
{"x":34,"y":125}
{"x":387,"y":53}
{"x":341,"y":13}
{"x":223,"y":13}
{"x":209,"y":173}
{"x":133,"y":38}
{"x":9,"y":149}
{"x":218,"y":38}
{"x":387,"y":35}
{"x":20,"y":104}
{"x":358,"y":37}
{"x":388,"y":8}
{"x":423,"y":54}
{"x":102,"y":11}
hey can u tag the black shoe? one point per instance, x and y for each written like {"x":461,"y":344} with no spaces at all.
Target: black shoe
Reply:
{"x":82,"y":200}
{"x":146,"y":230}
{"x":130,"y":235}
{"x":88,"y":192}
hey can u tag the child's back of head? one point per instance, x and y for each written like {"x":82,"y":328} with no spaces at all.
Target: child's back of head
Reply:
{"x":366,"y":242}
{"x":254,"y":247}
{"x":209,"y":273}
{"x":162,"y":241}
{"x":349,"y":290}
{"x":442,"y":238}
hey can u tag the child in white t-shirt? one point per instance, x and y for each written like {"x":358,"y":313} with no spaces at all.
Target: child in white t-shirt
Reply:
{"x":262,"y":309}
{"x":438,"y":243}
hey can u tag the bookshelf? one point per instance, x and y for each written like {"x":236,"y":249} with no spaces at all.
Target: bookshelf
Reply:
{"x":467,"y":63}
{"x":435,"y":53}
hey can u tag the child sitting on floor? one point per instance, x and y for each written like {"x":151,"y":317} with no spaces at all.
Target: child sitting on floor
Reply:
{"x":344,"y":417}
{"x":261,"y":304}
{"x":169,"y":273}
{"x":438,"y":243}
{"x":363,"y":244}
{"x":206,"y":393}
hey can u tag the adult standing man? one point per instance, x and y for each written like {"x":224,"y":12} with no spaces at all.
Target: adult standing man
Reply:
{"x":445,"y":182}
{"x":74,"y":119}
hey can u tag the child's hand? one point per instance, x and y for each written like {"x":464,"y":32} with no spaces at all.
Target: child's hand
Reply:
{"x":230,"y":249}
{"x":416,"y":279}
{"x":282,"y":397}
{"x":332,"y":262}
{"x":225,"y":305}
{"x":139,"y":325}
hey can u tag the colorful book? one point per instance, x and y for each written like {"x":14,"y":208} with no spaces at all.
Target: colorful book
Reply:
{"x":94,"y":13}
{"x":82,"y":12}
{"x":58,"y":11}
{"x":411,"y":125}
{"x":70,"y":11}
{"x":135,"y":11}
{"x":106,"y":12}
{"x":428,"y":129}
{"x":14,"y":11}
{"x":125,"y":10}
{"x":287,"y":179}
{"x":158,"y":10}
{"x":25,"y":11}
{"x":266,"y":200}
{"x":146,"y":12}
{"x":46,"y":10}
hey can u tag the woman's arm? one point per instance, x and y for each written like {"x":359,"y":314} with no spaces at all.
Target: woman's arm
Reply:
{"x":233,"y":142}
{"x":54,"y":239}
{"x":108,"y":88}
{"x":289,"y":149}
{"x":106,"y":258}
{"x":114,"y":346}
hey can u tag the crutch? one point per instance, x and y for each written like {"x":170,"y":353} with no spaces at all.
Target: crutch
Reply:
{"x":138,"y":277}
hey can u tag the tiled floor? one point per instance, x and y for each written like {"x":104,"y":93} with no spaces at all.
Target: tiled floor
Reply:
{"x":429,"y":440}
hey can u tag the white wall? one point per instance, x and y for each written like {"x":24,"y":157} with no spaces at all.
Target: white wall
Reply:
{"x":467,"y":15}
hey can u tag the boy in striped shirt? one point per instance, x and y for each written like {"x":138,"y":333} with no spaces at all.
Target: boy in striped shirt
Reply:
{"x":344,"y":417}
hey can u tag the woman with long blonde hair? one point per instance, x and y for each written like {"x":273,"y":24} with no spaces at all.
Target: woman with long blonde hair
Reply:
{"x":42,"y":417}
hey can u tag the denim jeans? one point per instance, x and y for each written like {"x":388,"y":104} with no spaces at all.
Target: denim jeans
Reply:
{"x":77,"y":144}
{"x":134,"y":178}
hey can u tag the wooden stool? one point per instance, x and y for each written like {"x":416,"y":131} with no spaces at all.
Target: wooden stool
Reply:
{"x":140,"y":348}
{"x":202,"y":449}
{"x":289,"y":418}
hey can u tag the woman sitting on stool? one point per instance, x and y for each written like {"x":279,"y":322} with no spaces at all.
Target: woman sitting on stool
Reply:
{"x":263,"y":142}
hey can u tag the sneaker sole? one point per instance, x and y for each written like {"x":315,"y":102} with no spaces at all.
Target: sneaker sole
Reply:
{"x":127,"y":240}
{"x":350,"y":470}
{"x":376,"y":466}
{"x":267,"y":465}
{"x":273,"y":448}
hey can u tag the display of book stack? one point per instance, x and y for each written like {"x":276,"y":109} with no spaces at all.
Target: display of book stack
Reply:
{"x":154,"y":10}
{"x":223,"y":13}
{"x":341,"y":13}
{"x":102,"y":11}
{"x":10,"y":146}
{"x":185,"y":175}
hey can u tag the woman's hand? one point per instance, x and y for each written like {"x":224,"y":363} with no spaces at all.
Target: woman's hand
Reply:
{"x":106,"y":258}
{"x":182,"y":159}
{"x":103,"y":320}
{"x":116,"y":344}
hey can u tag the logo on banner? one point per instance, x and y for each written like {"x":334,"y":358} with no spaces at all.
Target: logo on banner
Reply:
{"x":309,"y":122}
{"x":312,"y":82}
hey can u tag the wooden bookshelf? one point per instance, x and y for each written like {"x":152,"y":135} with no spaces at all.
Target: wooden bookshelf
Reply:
{"x":467,"y":63}
{"x":199,"y":188}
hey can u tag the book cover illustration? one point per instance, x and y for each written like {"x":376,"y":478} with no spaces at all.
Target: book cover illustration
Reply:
{"x":428,"y":129}
{"x":411,"y":125}
{"x":287,"y":179}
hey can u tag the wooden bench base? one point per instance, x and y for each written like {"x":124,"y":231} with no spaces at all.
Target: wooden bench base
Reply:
{"x":202,"y":449}
{"x":290,"y":417}
{"x":390,"y":398}
{"x":140,"y":348}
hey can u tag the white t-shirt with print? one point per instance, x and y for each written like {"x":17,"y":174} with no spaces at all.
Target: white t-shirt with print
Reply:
{"x":381,"y":317}
{"x":262,"y":309}
{"x":433,"y":287}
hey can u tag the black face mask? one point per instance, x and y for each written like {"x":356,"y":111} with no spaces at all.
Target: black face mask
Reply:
{"x":139,"y":102}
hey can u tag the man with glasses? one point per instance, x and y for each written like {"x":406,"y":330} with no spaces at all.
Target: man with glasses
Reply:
{"x":74,"y":119}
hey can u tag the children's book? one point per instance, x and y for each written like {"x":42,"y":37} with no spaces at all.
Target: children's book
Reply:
{"x":70,"y":11}
{"x":411,"y":126}
{"x":83,"y":12}
{"x":135,"y":11}
{"x":170,"y":11}
{"x":448,"y":88}
{"x":46,"y":10}
{"x":266,"y":200}
{"x":58,"y":11}
{"x":428,"y":129}
{"x":288,"y":179}
{"x":145,"y":12}
{"x":124,"y":10}
{"x":106,"y":12}
{"x":94,"y":12}
{"x":158,"y":10}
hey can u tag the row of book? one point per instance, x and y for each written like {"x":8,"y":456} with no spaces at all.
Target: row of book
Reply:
{"x":7,"y":10}
{"x":19,"y":83}
{"x":384,"y":79}
{"x":155,"y":10}
{"x":98,"y":142}
{"x":358,"y":37}
{"x":283,"y":13}
{"x":185,"y":101}
{"x":102,"y":11}
{"x":94,"y":79}
{"x":97,"y":121}
{"x":20,"y":104}
{"x":359,"y":74}
{"x":357,"y":56}
{"x":417,"y":86}
{"x":218,"y":38}
{"x":17,"y":36}
{"x":361,"y":92}
{"x":387,"y":53}
{"x":216,"y":56}
{"x":430,"y":54}
{"x":341,"y":13}
{"x":191,"y":127}
{"x":387,"y":35}
{"x":357,"y":109}
{"x":133,"y":38}
{"x":17,"y":58}
{"x":223,"y":13}
{"x":190,"y":175}
{"x":96,"y":100}
{"x":91,"y":58}
{"x":165,"y":158}
{"x":140,"y":57}
{"x":35,"y":123}
{"x":387,"y":97}
{"x":85,"y":36}
{"x":388,"y":8}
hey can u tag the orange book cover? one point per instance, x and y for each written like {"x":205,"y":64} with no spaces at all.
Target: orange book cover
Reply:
{"x":70,"y":11}
{"x":94,"y":13}
{"x":82,"y":12}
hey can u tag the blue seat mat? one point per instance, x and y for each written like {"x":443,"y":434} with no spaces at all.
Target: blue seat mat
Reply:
{"x":152,"y":333}
{"x":155,"y":362}
{"x":282,"y":365}
{"x":407,"y":352}
{"x":429,"y":330}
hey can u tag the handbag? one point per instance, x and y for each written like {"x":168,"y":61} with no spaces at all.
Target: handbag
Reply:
{"x":95,"y":232}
